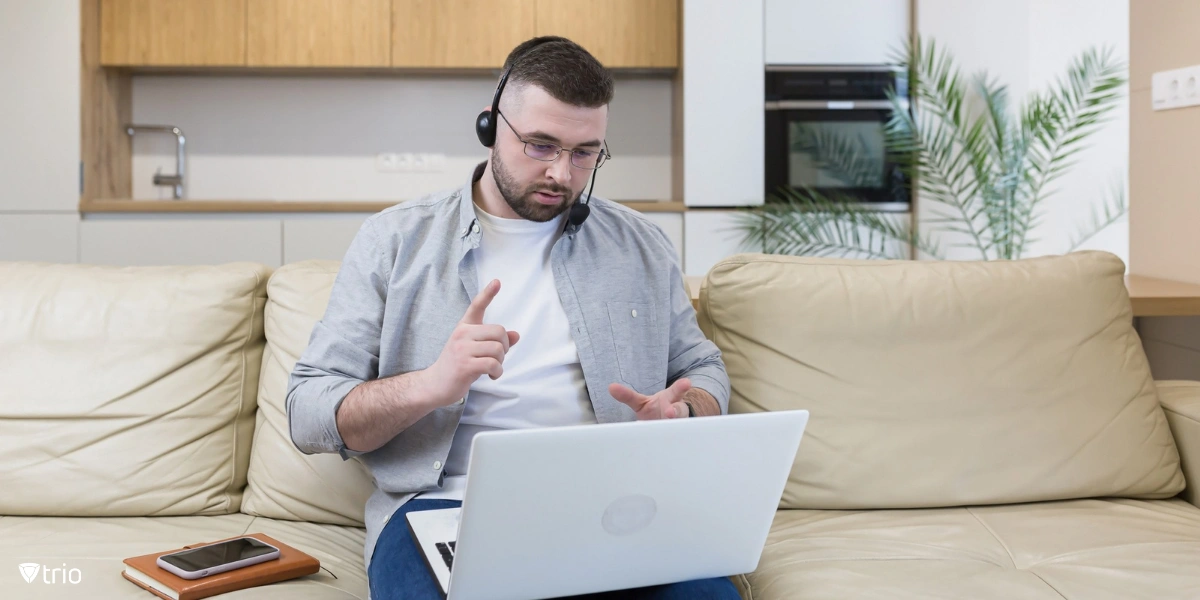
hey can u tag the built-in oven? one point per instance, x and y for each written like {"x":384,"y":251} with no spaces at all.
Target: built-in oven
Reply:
{"x":825,"y":132}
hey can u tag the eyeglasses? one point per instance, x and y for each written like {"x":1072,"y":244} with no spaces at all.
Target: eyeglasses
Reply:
{"x":547,"y":152}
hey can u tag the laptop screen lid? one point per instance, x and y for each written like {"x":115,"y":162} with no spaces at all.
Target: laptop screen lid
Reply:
{"x":573,"y":510}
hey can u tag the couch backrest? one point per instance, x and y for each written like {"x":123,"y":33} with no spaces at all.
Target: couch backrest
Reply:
{"x":127,"y":391}
{"x":283,"y":482}
{"x":945,"y":383}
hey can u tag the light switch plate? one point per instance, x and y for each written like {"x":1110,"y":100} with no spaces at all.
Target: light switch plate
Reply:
{"x":1175,"y":89}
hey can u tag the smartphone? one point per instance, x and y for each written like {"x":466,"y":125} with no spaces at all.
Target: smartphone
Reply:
{"x":218,"y":558}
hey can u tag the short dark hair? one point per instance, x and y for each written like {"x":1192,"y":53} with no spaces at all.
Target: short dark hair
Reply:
{"x":567,"y":71}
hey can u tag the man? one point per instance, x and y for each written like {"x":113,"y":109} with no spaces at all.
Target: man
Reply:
{"x":421,"y":348}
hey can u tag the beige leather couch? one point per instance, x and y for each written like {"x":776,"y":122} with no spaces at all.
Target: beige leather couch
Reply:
{"x":978,"y":430}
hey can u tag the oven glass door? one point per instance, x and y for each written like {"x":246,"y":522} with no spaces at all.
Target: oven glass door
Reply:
{"x":840,"y":153}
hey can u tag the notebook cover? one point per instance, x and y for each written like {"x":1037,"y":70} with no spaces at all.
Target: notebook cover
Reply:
{"x":291,"y":563}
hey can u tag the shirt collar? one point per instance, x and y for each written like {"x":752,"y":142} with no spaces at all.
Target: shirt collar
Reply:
{"x":467,"y":225}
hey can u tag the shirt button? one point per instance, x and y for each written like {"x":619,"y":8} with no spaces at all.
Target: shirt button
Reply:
{"x":437,"y":465}
{"x":463,"y":232}
{"x":461,"y":400}
{"x":474,"y":227}
{"x":635,"y":313}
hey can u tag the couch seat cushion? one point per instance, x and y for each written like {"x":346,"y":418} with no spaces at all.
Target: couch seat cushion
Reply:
{"x":1093,"y":549}
{"x":96,"y":546}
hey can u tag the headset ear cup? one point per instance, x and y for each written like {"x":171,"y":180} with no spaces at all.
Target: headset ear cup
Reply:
{"x":485,"y":128}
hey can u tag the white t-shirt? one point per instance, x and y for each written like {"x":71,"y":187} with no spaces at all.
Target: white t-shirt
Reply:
{"x":542,"y":384}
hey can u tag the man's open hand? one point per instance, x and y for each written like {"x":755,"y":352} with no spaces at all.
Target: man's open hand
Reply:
{"x":667,"y":404}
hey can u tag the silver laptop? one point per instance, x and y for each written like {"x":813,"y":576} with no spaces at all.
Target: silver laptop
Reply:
{"x":574,"y":510}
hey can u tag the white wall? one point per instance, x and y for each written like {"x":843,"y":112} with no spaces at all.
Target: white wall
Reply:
{"x":1059,"y":30}
{"x":316,"y":138}
{"x":1028,"y":44}
{"x":39,"y":130}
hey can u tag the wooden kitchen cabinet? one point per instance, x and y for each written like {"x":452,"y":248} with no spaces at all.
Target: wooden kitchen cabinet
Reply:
{"x":440,"y":34}
{"x":318,"y":33}
{"x":173,"y":33}
{"x":459,"y":33}
{"x":620,"y":33}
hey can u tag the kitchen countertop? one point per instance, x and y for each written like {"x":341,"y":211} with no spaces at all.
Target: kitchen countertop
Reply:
{"x":1153,"y":297}
{"x":1149,"y":296}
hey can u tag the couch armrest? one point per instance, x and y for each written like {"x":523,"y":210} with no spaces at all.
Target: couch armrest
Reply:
{"x":1181,"y":401}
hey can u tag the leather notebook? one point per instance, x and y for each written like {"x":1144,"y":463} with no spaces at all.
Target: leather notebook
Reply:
{"x":144,"y":571}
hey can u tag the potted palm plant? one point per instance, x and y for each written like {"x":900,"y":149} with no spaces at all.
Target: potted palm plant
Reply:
{"x":984,"y":168}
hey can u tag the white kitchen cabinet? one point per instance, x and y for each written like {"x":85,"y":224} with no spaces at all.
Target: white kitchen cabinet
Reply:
{"x":48,"y":237}
{"x":709,"y":236}
{"x":672,"y":225}
{"x":723,"y":97}
{"x":319,"y":237}
{"x":841,"y":32}
{"x":39,"y":106}
{"x":130,"y":241}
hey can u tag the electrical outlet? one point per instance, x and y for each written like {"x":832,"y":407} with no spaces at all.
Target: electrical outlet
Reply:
{"x":408,"y":162}
{"x":429,"y":162}
{"x":405,"y":163}
{"x":420,"y":163}
{"x":1175,"y":89}
{"x":388,"y":162}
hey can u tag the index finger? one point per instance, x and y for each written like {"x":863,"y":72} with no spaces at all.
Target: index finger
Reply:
{"x":474,"y":314}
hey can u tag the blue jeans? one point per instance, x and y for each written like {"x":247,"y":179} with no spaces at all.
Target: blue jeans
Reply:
{"x":398,"y":571}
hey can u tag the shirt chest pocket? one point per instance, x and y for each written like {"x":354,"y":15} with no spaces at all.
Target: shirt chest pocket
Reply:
{"x":640,"y":344}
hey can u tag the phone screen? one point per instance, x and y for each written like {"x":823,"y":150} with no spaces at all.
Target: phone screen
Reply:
{"x":208,"y":557}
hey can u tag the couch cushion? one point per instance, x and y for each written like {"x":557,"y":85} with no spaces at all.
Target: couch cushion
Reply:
{"x":945,"y":383}
{"x":127,"y":391}
{"x":96,"y":547}
{"x":283,"y":483}
{"x":1085,"y":549}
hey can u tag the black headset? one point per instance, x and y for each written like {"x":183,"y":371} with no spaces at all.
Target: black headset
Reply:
{"x":486,"y":124}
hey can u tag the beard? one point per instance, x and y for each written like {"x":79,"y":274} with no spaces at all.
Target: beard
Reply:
{"x":521,"y":201}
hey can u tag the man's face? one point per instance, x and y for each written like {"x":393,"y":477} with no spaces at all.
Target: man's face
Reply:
{"x":538,"y":190}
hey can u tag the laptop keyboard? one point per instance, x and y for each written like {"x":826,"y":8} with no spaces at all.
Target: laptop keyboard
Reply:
{"x":447,"y":552}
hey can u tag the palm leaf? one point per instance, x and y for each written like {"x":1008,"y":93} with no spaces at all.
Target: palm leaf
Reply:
{"x":949,"y":153}
{"x":1112,"y":210}
{"x":932,"y":158}
{"x":805,"y":222}
{"x":1059,"y":120}
{"x":984,"y":167}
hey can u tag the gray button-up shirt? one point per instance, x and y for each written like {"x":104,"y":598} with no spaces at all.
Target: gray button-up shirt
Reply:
{"x":407,"y":280}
